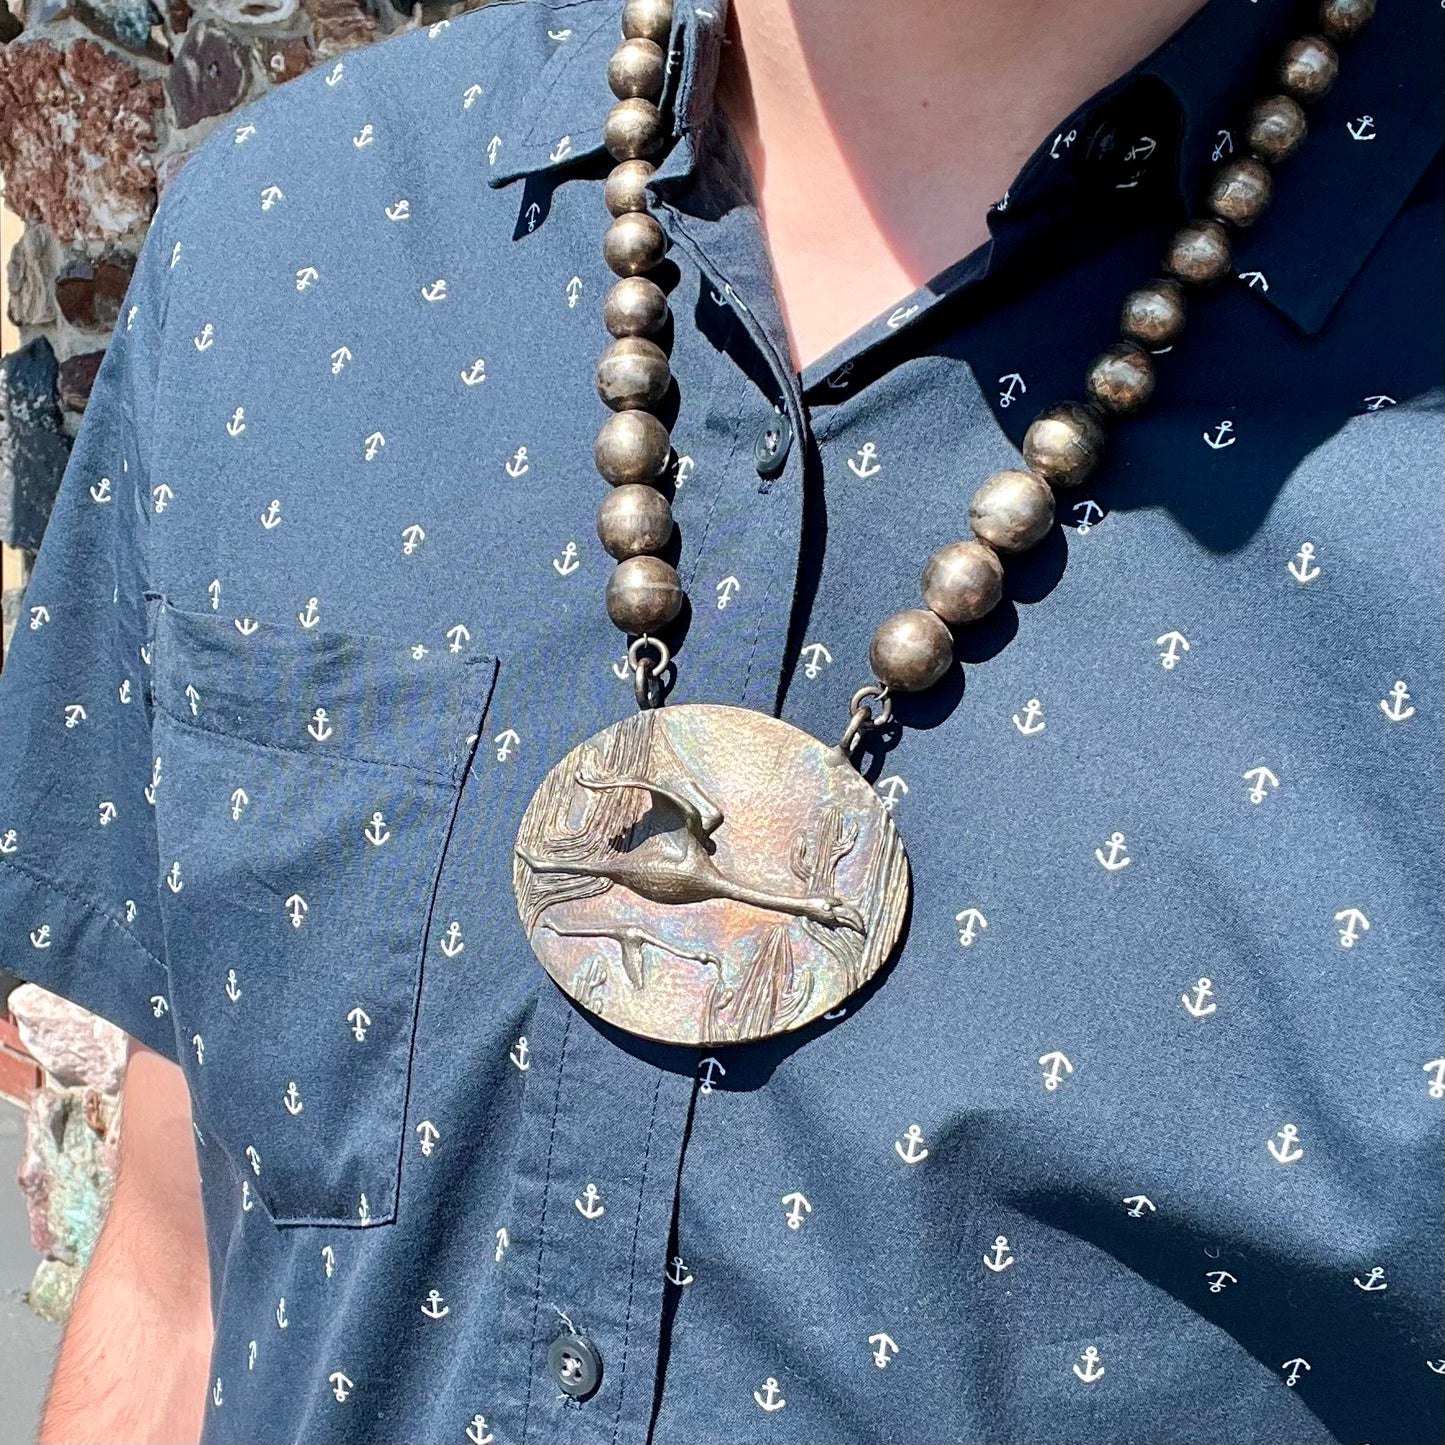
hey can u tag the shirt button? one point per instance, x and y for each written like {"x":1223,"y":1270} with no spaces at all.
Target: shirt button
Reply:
{"x":575,"y":1365}
{"x":775,"y":441}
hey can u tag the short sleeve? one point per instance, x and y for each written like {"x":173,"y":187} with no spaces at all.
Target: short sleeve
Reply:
{"x":78,"y":863}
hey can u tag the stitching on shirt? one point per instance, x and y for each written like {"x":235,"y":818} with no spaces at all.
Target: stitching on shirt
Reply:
{"x":632,"y":1273}
{"x":90,"y":907}
{"x":542,"y":1222}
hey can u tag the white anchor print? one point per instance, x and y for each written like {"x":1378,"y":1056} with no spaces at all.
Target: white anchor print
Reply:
{"x":339,"y":359}
{"x":411,"y":538}
{"x":100,"y":491}
{"x":589,"y":1203}
{"x":1293,"y":1368}
{"x":248,"y":1203}
{"x":470,"y":96}
{"x":233,"y":989}
{"x":240,"y":801}
{"x":246,"y":625}
{"x":419,"y":650}
{"x":568,"y":562}
{"x":108,"y":815}
{"x":1262,"y":781}
{"x":372,"y":445}
{"x":1379,"y":402}
{"x":1437,"y":1084}
{"x":710,"y":1070}
{"x":1013,"y":386}
{"x":478,"y":1433}
{"x":1117,"y":857}
{"x":173,"y":877}
{"x":1438,"y":1366}
{"x":123,"y":691}
{"x":998,"y":1259}
{"x":493,"y":147}
{"x":237,"y":423}
{"x":910,"y":1148}
{"x":726,"y":590}
{"x":768,"y":1397}
{"x":213,"y":589}
{"x":159,"y":1006}
{"x":451,"y":941}
{"x":901,"y":314}
{"x":40,"y":937}
{"x":269,"y":196}
{"x":251,"y":1355}
{"x":429,"y":1134}
{"x":1091,"y":1370}
{"x":1056,"y":1066}
{"x":1219,"y":1279}
{"x":360,"y":1021}
{"x":1302,"y":568}
{"x":296,"y":910}
{"x":437,"y":291}
{"x":1032,"y":720}
{"x":816,"y":658}
{"x":310,"y":615}
{"x":320,"y":725}
{"x":677,"y":1272}
{"x":1252,"y":279}
{"x":292,"y":1099}
{"x":161,"y":496}
{"x":328,"y":1260}
{"x":457,"y":638}
{"x":518,"y":465}
{"x":504,"y":1243}
{"x":1175,"y":645}
{"x":865,"y":463}
{"x":341,"y":1387}
{"x":1195,"y":1001}
{"x":282,"y":1322}
{"x":1362,"y":128}
{"x":436,"y":28}
{"x":253,"y":1158}
{"x":1395,"y":707}
{"x":885,"y":1347}
{"x":684,"y":469}
{"x":506,"y":741}
{"x":434,"y":1308}
{"x":150,"y":788}
{"x":399,"y":210}
{"x":364,"y":137}
{"x":476,"y":373}
{"x":973,"y":923}
{"x":10,"y":840}
{"x":271,"y":516}
{"x":1062,"y":140}
{"x":75,"y":714}
{"x":39,"y":616}
{"x":1355,"y":923}
{"x":1285,"y":1144}
{"x":1222,"y":437}
{"x":216,"y":1393}
{"x":559,"y":35}
{"x":1375,"y":1280}
{"x":206,"y":338}
{"x":363,"y":1210}
{"x":243,"y":133}
{"x":307,"y":277}
{"x":521,"y":1055}
{"x":798,"y":1209}
{"x":890,"y":789}
{"x":561,"y":150}
{"x":1224,"y":146}
{"x":333,"y":76}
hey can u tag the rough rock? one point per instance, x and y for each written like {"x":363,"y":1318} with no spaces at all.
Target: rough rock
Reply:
{"x":124,"y":22}
{"x":208,"y":76}
{"x":28,"y":273}
{"x":252,"y":12}
{"x":90,"y":293}
{"x":77,"y":376}
{"x":338,"y":25}
{"x":52,"y":1291}
{"x":283,"y":57}
{"x":178,"y":16}
{"x":33,"y":450}
{"x":73,"y":1046}
{"x":76,"y":130}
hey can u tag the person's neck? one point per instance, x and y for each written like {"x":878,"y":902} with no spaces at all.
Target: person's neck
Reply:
{"x":879,"y":132}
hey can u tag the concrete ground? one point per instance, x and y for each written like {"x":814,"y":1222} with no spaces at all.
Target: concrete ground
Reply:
{"x":27,"y":1344}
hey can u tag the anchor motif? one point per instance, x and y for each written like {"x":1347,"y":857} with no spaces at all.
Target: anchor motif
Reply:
{"x":239,"y":803}
{"x":296,"y":910}
{"x":247,"y":1202}
{"x":206,"y":339}
{"x":173,"y":877}
{"x":574,"y":292}
{"x":726,"y":589}
{"x":292,"y":1099}
{"x":237,"y":423}
{"x":1437,"y":1365}
{"x":798,"y":1209}
{"x":335,"y":73}
{"x":1223,"y":146}
{"x":476,"y":373}
{"x":710,"y":1070}
{"x":899,"y":315}
{"x":271,"y":517}
{"x":100,"y":491}
{"x":521,"y":1055}
{"x":1303,"y":568}
{"x":1138,"y":1203}
{"x":1394,"y":707}
{"x":1355,"y":924}
{"x":1378,"y":403}
{"x":310,"y":615}
{"x":890,"y":789}
{"x":1197,"y":1005}
{"x":75,"y":714}
{"x":457,"y":637}
{"x":1263,"y":780}
{"x":1437,"y":1084}
{"x":363,"y":1210}
{"x":768,"y":1397}
{"x":243,"y":133}
{"x":270,"y":196}
{"x":419,"y":650}
{"x":376,"y":831}
{"x":254,"y":1160}
{"x":341,"y":1387}
{"x":39,"y":616}
{"x":1294,"y":1367}
{"x":108,"y":816}
{"x":818,"y":657}
{"x":320,"y":725}
{"x":1362,"y":128}
{"x":470,"y":96}
{"x":372,"y":445}
{"x":1013,"y":386}
{"x":10,"y":840}
{"x":199,"y":1045}
{"x":504,"y":1243}
{"x":493,"y":147}
{"x":1061,"y":139}
{"x":507,"y":742}
{"x":1218,"y":1279}
{"x":533,"y":214}
{"x":339,"y":358}
{"x":281,"y":1321}
{"x":1056,"y":1066}
{"x":150,"y":788}
{"x":246,"y":625}
{"x":886,"y":1348}
{"x":161,"y":496}
{"x":123,"y":691}
{"x":910,"y":1148}
{"x":437,"y":291}
{"x":568,"y":562}
{"x":307,"y":276}
{"x":561,"y":150}
{"x":399,"y":210}
{"x":411,"y":538}
{"x":1032,"y":720}
{"x":434,"y":1307}
{"x":233,"y":990}
{"x":865,"y":463}
{"x":677,"y":1272}
{"x":1375,"y":1280}
{"x":213,"y":589}
{"x":159,"y":1006}
{"x":477,"y":1431}
{"x":1286,"y":1150}
{"x":1117,"y":857}
{"x":519,"y":463}
{"x":1092,"y":1370}
{"x":589,"y":1203}
{"x":1222,"y":436}
{"x":683,"y":470}
{"x":360,"y":1021}
{"x":251,"y":1355}
{"x":436,"y":28}
{"x":451,"y":942}
{"x":973,"y":924}
{"x":1175,"y":645}
{"x":429,"y":1135}
{"x":216,"y":1393}
{"x":998,"y":1259}
{"x":40,"y":937}
{"x":194,"y":698}
{"x":560,"y":35}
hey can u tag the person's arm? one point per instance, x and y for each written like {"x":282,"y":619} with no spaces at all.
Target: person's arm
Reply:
{"x":135,"y":1358}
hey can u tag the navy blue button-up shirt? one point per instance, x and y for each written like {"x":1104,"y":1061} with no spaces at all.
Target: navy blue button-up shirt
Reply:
{"x":1138,"y":1138}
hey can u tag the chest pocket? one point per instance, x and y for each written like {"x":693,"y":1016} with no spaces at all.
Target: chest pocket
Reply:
{"x":305,"y":787}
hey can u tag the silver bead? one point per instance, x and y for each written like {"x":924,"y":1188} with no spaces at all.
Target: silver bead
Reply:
{"x":635,"y":306}
{"x":1153,"y":314}
{"x":1276,"y":128}
{"x":632,"y":446}
{"x":637,"y":68}
{"x":1341,"y":19}
{"x":633,"y":374}
{"x":1121,"y":379}
{"x":632,"y":520}
{"x":632,"y":128}
{"x":1063,"y":444}
{"x":626,"y":186}
{"x":963,"y":582}
{"x":1198,"y":253}
{"x":647,"y":20}
{"x":1011,"y":511}
{"x":911,"y":650}
{"x":633,"y":243}
{"x":643,"y":594}
{"x":1240,"y":190}
{"x":1308,"y":67}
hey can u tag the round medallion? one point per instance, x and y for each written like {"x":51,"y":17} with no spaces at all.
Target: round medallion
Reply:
{"x":706,"y":875}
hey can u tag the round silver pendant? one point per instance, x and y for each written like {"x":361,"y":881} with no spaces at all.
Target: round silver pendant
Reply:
{"x":706,"y":875}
